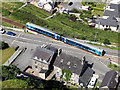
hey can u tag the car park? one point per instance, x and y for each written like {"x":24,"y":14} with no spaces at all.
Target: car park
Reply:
{"x":11,"y":33}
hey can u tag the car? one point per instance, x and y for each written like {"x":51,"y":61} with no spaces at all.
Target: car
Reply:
{"x":92,"y":82}
{"x":2,"y":31}
{"x":11,"y":33}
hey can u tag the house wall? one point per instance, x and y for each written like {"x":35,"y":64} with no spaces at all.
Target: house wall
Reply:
{"x":39,"y":65}
{"x":58,"y":72}
{"x":47,"y":7}
{"x":42,"y":75}
{"x":105,"y":17}
{"x":102,"y":27}
{"x":74,"y":79}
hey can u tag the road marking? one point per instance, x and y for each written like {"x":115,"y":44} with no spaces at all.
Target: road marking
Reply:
{"x":16,"y":38}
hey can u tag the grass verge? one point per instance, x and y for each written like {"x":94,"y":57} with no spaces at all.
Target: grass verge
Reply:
{"x":6,"y":54}
{"x":115,"y":67}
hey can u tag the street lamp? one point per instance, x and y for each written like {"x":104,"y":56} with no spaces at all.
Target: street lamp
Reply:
{"x":95,"y":36}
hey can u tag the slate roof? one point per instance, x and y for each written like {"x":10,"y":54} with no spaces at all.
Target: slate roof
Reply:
{"x":68,"y":62}
{"x":85,"y":78}
{"x":70,"y":7}
{"x":51,"y":48}
{"x":110,"y":21}
{"x":44,"y":54}
{"x":109,"y":80}
{"x":111,"y":13}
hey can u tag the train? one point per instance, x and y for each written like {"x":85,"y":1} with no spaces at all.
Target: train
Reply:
{"x":74,"y":42}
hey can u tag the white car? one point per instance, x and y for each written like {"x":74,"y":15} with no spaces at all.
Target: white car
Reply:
{"x":2,"y":30}
{"x":92,"y":82}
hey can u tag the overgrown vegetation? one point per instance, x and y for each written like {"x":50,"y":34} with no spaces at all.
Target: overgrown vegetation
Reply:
{"x":115,"y":67}
{"x":67,"y":74}
{"x":10,"y":80}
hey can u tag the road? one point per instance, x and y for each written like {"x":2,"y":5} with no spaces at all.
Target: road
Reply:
{"x":31,"y":41}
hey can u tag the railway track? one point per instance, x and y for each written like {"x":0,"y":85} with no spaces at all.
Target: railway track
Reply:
{"x":12,"y":22}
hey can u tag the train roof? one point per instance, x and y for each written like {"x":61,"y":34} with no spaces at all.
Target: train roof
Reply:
{"x":41,"y":28}
{"x":85,"y":44}
{"x":76,"y":40}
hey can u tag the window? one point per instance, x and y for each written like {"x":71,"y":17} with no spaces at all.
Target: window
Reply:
{"x":36,"y":67}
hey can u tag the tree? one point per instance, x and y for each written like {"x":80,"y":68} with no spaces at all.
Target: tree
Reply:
{"x":3,"y":45}
{"x":106,"y":41}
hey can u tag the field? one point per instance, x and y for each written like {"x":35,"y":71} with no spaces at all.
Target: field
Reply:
{"x":60,"y":23}
{"x":6,"y":54}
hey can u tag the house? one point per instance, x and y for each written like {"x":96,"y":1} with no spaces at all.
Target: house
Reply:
{"x":110,"y":18}
{"x":109,"y":80}
{"x":43,"y":4}
{"x":76,"y":68}
{"x":42,"y":61}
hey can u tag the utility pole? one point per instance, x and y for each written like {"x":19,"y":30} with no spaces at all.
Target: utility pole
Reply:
{"x":95,"y":36}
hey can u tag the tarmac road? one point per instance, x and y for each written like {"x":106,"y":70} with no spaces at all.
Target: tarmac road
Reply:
{"x":31,"y":41}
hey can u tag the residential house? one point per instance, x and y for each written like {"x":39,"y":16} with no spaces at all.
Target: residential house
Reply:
{"x":43,"y":4}
{"x":109,"y":80}
{"x":42,"y":61}
{"x":110,"y":17}
{"x":77,"y":67}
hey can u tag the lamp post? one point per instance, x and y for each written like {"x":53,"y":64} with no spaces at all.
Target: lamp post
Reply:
{"x":95,"y":36}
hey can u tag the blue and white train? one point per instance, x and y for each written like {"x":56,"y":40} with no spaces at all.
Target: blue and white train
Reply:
{"x":71,"y":41}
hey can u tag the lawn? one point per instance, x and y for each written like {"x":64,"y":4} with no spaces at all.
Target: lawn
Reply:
{"x":6,"y":54}
{"x":14,"y":83}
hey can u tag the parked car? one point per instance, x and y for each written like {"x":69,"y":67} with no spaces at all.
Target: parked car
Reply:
{"x":11,"y":33}
{"x":2,"y":31}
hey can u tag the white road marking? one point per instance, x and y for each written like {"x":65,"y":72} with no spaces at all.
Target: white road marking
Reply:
{"x":16,"y":38}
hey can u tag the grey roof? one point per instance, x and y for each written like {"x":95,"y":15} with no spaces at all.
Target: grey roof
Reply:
{"x":69,"y":63}
{"x":85,"y":78}
{"x":111,"y":13}
{"x":51,"y":48}
{"x":44,"y":54}
{"x":115,"y":6}
{"x":110,"y":21}
{"x":109,"y":79}
{"x":74,"y":5}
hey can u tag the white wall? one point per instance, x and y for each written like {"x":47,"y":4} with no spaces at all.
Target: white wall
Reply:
{"x":101,"y":27}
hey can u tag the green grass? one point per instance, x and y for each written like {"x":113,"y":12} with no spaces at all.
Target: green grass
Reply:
{"x":14,"y":83}
{"x":67,"y":75}
{"x":6,"y":54}
{"x":115,"y":67}
{"x":115,"y":48}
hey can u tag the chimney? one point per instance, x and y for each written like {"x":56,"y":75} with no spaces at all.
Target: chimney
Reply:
{"x":59,"y":51}
{"x":83,"y":60}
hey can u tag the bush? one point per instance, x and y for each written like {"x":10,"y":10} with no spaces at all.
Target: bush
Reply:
{"x":97,"y":9}
{"x":3,"y":45}
{"x":74,"y":10}
{"x":106,"y":41}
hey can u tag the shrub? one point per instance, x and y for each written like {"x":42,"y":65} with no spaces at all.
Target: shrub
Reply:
{"x":97,"y":9}
{"x":3,"y":45}
{"x":106,"y":41}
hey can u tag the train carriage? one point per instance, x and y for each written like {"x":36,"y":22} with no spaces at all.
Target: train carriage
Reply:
{"x":67,"y":40}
